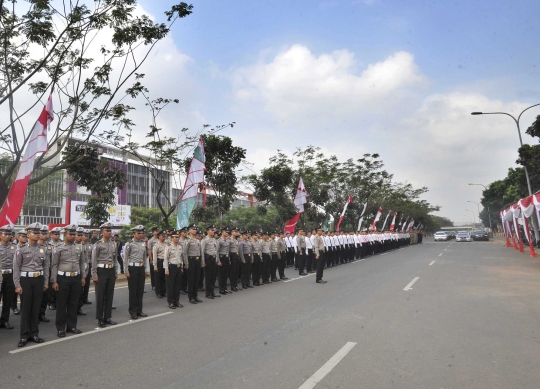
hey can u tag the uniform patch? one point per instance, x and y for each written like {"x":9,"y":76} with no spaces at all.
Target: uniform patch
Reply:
{"x":41,"y":251}
{"x":18,"y":252}
{"x":13,"y":247}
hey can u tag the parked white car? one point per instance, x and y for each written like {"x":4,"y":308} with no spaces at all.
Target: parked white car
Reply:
{"x":440,"y":235}
{"x":463,"y":236}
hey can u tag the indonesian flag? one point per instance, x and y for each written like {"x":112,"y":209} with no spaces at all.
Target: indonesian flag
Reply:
{"x":393,"y":225}
{"x":290,"y":226}
{"x":37,"y":144}
{"x":349,"y":200}
{"x":411,"y":224}
{"x":300,"y":197}
{"x":377,"y":217}
{"x":404,"y":224}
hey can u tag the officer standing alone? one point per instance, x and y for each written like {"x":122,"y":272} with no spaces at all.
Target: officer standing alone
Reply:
{"x":320,"y":251}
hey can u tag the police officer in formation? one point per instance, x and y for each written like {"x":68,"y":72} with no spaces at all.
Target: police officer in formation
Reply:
{"x":211,"y":260}
{"x":7,"y":286}
{"x":158,"y":254}
{"x":87,"y":252}
{"x":31,"y":277}
{"x":68,"y":276}
{"x":245,"y":251}
{"x":30,"y":267}
{"x":104,"y":275}
{"x":195,"y":263}
{"x":136,"y":254}
{"x":175,"y":263}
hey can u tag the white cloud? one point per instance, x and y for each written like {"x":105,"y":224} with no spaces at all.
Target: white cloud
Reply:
{"x":297,"y":98}
{"x":297,"y":82}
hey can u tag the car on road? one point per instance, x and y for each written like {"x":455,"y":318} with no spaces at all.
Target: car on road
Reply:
{"x":440,"y":235}
{"x":463,"y":236}
{"x":480,"y":235}
{"x":451,"y":234}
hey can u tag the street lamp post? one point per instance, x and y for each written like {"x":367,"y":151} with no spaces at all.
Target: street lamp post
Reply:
{"x":535,"y":224}
{"x":489,"y":214}
{"x":519,"y":133}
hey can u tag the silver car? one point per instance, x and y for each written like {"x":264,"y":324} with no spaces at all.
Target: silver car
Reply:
{"x":463,"y":236}
{"x":440,"y":235}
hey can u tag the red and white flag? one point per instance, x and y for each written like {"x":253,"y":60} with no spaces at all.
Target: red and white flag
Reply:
{"x":404,"y":225}
{"x":349,"y":200}
{"x":393,"y":225}
{"x":377,"y":217}
{"x":411,"y":224}
{"x":301,"y":196}
{"x":37,"y":144}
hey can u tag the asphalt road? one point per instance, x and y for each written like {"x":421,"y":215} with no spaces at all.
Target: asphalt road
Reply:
{"x":470,"y":320}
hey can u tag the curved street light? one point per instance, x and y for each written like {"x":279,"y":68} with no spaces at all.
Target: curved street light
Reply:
{"x":519,"y":133}
{"x":535,"y":225}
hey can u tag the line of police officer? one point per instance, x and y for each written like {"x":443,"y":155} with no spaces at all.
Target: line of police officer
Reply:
{"x":39,"y":271}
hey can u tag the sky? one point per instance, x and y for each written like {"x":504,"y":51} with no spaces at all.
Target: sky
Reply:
{"x":398,"y":78}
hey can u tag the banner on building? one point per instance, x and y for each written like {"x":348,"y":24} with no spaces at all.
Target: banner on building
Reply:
{"x":119,"y":215}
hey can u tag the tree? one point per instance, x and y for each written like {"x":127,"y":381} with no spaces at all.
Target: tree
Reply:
{"x":98,"y":177}
{"x":89,"y":88}
{"x":329,"y":182}
{"x":251,"y":219}
{"x":501,"y":194}
{"x":222,"y":160}
{"x":529,"y":155}
{"x":149,"y":218}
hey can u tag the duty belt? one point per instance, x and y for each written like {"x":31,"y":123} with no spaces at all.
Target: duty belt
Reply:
{"x":196,"y":258}
{"x":175,"y":264}
{"x":136,"y":264}
{"x":7,"y":271}
{"x":31,"y":273}
{"x":105,"y":265}
{"x":68,"y":274}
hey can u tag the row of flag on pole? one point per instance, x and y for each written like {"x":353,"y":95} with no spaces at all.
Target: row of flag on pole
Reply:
{"x":195,"y":177}
{"x":300,"y":199}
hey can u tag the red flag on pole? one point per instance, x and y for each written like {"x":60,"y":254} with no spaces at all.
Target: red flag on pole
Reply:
{"x":393,"y":225}
{"x":349,"y":200}
{"x":37,"y":144}
{"x":377,"y":217}
{"x":291,"y":223}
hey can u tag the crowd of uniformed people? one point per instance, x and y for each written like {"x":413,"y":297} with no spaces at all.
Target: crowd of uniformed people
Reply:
{"x":47,"y":272}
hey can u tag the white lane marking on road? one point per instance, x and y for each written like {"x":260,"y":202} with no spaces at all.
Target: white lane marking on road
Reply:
{"x":87,"y":333}
{"x":359,"y":260}
{"x":432,"y":262}
{"x":118,"y":287}
{"x":440,"y":254}
{"x":299,"y":278}
{"x":409,"y":287}
{"x":327,"y":367}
